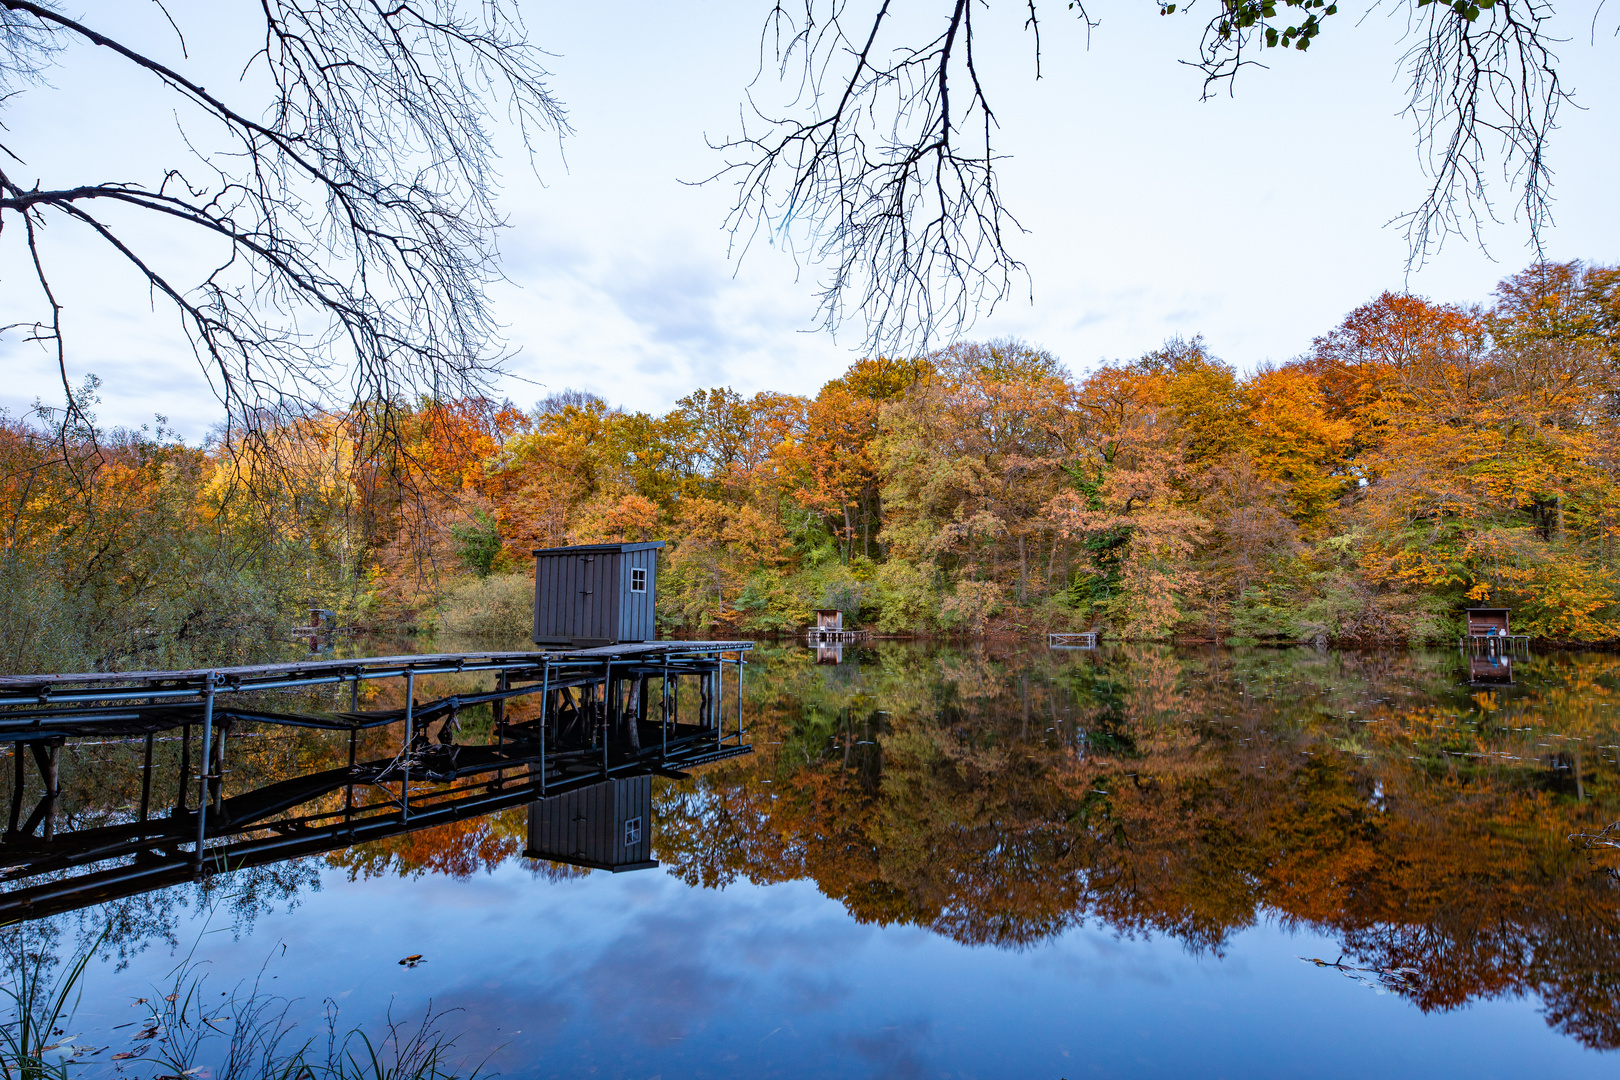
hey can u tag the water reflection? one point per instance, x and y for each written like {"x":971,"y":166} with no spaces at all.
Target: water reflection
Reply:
{"x":1416,"y":817}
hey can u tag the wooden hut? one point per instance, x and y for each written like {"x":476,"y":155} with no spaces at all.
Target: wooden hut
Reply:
{"x":1486,"y":622}
{"x":1487,"y":629}
{"x":829,"y":619}
{"x":596,"y":594}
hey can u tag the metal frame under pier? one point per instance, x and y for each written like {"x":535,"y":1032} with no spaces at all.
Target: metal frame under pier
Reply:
{"x":596,"y":719}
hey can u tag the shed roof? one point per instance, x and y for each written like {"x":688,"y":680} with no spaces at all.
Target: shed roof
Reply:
{"x":1488,"y":610}
{"x":582,"y":548}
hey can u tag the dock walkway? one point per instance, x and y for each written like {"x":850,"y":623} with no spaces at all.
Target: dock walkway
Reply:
{"x":601,"y":713}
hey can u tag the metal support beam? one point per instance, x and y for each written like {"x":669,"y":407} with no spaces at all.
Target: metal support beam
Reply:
{"x":202,"y":773}
{"x":146,"y":777}
{"x":545,"y":716}
{"x":19,"y":780}
{"x":405,"y":754}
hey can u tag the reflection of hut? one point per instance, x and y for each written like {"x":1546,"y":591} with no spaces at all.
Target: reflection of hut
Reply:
{"x":1490,"y":669}
{"x":606,"y":826}
{"x":829,"y":654}
{"x":595,"y":594}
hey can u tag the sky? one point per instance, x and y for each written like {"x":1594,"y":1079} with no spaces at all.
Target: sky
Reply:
{"x":1257,"y":220}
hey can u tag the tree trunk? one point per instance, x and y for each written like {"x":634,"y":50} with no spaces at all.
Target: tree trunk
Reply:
{"x":1023,"y":568}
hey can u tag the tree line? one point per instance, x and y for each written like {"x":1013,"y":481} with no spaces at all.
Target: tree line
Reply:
{"x":1419,"y":458}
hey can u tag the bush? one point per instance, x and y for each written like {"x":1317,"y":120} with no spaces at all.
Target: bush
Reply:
{"x":907,"y":597}
{"x":497,"y":606}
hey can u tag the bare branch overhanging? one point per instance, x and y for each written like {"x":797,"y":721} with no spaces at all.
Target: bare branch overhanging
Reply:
{"x":355,"y":211}
{"x":874,"y":175}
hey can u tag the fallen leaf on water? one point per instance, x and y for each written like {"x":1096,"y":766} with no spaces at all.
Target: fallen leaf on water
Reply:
{"x":148,"y":1033}
{"x":412,"y":960}
{"x":171,"y":997}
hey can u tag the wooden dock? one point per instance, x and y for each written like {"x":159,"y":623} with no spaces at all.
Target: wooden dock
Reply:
{"x":603,"y":713}
{"x":818,"y":635}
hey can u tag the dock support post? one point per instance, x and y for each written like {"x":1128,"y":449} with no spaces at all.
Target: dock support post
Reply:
{"x":18,"y":782}
{"x":664,"y":705}
{"x":146,"y":778}
{"x":185,"y":767}
{"x":498,"y":708}
{"x":207,"y":758}
{"x":607,"y":719}
{"x":348,"y":792}
{"x":410,"y":735}
{"x":545,"y":717}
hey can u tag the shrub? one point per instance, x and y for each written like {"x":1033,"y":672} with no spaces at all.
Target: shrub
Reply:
{"x":497,"y":606}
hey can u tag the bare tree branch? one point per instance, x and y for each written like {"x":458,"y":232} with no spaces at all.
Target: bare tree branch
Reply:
{"x":355,"y":216}
{"x":882,"y":170}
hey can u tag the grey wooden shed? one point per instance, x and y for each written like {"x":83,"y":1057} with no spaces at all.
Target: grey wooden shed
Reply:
{"x":606,"y":826}
{"x":596,"y":594}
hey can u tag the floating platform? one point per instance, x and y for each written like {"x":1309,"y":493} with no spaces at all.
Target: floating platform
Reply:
{"x":603,"y":714}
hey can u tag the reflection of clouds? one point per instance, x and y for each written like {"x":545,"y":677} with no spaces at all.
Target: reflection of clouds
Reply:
{"x":894,"y":1050}
{"x":660,"y":979}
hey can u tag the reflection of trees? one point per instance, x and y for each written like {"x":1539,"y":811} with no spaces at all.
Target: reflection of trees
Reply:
{"x":1001,"y":801}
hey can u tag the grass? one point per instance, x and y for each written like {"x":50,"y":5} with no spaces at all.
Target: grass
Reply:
{"x":244,"y":1034}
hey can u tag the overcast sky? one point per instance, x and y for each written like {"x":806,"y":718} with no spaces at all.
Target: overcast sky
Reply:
{"x":1257,"y":220}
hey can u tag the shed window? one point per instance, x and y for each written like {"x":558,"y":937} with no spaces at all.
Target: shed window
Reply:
{"x":638,"y":580}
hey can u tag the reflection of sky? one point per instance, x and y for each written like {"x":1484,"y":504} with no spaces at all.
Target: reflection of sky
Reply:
{"x":637,"y":975}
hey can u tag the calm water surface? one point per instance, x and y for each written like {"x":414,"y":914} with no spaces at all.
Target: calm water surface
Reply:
{"x":978,"y":863}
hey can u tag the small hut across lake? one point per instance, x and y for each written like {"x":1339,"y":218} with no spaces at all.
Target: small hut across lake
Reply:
{"x":1490,"y":629}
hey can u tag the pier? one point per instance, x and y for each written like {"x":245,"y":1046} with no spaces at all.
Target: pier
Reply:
{"x":589,"y":716}
{"x":1082,"y":639}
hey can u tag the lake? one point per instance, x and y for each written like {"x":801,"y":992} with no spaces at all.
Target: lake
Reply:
{"x":963,"y":861}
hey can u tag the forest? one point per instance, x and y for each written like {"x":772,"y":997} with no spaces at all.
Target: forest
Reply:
{"x":1419,"y":458}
